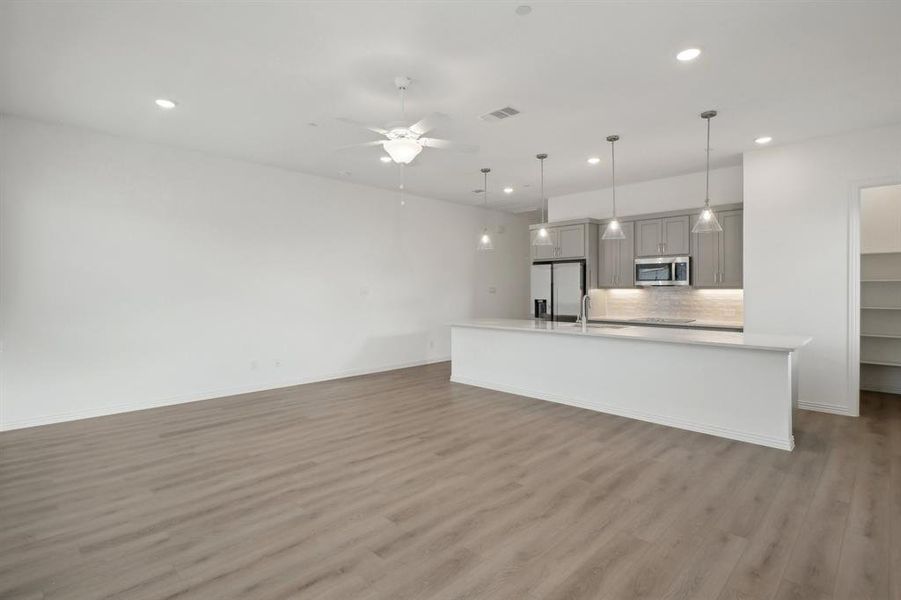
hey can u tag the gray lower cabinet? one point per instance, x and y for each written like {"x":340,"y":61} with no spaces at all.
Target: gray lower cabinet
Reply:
{"x":669,"y":236}
{"x":717,"y":257}
{"x":616,"y":259}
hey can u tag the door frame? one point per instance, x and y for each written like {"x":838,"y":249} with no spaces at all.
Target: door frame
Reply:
{"x":854,"y":201}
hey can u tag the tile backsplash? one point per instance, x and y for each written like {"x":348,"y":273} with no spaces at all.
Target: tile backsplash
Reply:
{"x":674,"y":302}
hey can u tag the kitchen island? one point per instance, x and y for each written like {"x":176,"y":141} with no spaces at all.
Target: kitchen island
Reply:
{"x":735,"y":385}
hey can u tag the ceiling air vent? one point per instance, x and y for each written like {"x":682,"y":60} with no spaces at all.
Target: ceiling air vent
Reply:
{"x":500,"y":114}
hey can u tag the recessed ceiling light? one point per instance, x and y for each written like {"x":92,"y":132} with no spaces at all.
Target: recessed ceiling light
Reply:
{"x":523,"y":10}
{"x":688,"y":54}
{"x":508,"y":190}
{"x":385,"y":159}
{"x":764,"y":140}
{"x":165,"y":103}
{"x":594,"y":160}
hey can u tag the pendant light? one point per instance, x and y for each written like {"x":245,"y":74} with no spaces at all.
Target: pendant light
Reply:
{"x":614,"y":230}
{"x":707,"y":222}
{"x":485,"y":243}
{"x":541,"y":237}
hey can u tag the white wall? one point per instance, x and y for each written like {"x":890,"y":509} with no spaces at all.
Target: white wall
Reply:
{"x":880,"y":219}
{"x":136,"y":275}
{"x":656,"y":195}
{"x":797,"y":262}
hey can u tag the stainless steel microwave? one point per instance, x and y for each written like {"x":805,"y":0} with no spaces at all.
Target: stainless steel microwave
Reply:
{"x":663,"y":270}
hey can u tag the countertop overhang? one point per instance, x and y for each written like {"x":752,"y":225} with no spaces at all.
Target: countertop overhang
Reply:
{"x":725,"y":339}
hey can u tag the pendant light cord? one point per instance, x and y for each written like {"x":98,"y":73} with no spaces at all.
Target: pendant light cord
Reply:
{"x":485,"y":187}
{"x":543,"y":200}
{"x":613,"y":173}
{"x":707,"y":191}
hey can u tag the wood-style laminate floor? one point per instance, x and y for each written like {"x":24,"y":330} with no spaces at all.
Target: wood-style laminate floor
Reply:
{"x":403,"y":485}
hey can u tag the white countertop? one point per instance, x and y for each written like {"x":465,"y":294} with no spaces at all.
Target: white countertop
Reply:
{"x":697,"y":323}
{"x":728,"y":339}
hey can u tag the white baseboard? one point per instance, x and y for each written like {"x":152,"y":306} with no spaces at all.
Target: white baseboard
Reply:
{"x":827,"y":408}
{"x":732,"y":434}
{"x":121,"y":407}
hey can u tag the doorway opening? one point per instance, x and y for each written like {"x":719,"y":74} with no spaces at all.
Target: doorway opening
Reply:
{"x":880,"y":289}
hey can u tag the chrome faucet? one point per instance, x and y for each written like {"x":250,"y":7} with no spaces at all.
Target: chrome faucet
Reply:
{"x":586,"y":304}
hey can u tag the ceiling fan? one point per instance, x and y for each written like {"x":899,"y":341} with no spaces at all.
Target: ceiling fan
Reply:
{"x":404,"y":142}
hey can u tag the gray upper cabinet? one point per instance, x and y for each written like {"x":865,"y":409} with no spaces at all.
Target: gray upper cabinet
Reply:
{"x":648,"y":236}
{"x":616,"y":259}
{"x":704,"y":258}
{"x":676,"y":235}
{"x":571,"y":241}
{"x":568,"y":242}
{"x":731,"y":249}
{"x":656,"y":237}
{"x":717,"y":257}
{"x":546,"y":252}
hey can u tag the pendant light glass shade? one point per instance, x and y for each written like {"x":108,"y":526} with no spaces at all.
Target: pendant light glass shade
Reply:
{"x":707,"y":221}
{"x":541,"y":236}
{"x":614,"y":230}
{"x":485,"y":244}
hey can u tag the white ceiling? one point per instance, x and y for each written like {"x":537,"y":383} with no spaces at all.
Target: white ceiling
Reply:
{"x":250,"y":77}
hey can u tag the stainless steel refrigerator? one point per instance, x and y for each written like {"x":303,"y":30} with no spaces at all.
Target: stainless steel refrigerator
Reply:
{"x":557,"y":289}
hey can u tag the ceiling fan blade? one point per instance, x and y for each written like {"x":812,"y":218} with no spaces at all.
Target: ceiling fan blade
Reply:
{"x":361,"y":145}
{"x":448,"y":145}
{"x":428,"y":123}
{"x":378,"y":130}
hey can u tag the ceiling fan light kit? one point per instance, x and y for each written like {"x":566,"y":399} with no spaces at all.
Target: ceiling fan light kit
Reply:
{"x":402,"y":150}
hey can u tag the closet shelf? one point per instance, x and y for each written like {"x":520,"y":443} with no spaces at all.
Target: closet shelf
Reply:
{"x":880,"y":308}
{"x":879,"y":363}
{"x":880,"y":280}
{"x":889,"y":336}
{"x":879,"y":253}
